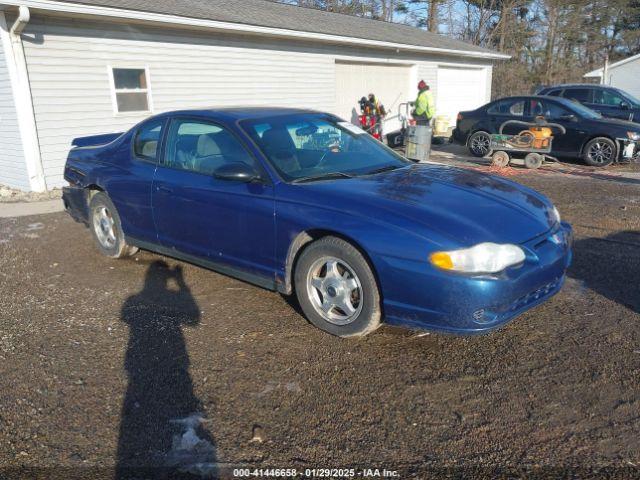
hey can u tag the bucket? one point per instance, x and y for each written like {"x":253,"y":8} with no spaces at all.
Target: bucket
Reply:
{"x":441,"y":125}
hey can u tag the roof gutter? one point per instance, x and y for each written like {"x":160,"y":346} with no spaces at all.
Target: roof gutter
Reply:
{"x":83,"y":9}
{"x":24,"y":15}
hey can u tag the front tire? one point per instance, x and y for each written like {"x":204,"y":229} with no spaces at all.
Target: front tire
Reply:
{"x":106,"y":229}
{"x":337,"y":289}
{"x":600,"y":152}
{"x":479,"y":144}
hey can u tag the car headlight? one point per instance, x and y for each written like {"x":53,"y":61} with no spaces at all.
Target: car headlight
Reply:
{"x":482,"y":258}
{"x":635,"y":136}
{"x":555,"y":214}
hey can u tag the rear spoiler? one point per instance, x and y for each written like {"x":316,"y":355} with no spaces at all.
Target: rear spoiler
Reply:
{"x":95,"y":140}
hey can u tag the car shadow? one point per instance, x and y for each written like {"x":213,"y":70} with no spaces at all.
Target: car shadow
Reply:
{"x":162,"y":433}
{"x":610,"y":266}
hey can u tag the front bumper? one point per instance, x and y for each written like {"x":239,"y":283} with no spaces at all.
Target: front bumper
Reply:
{"x":627,"y":149}
{"x":421,"y":297}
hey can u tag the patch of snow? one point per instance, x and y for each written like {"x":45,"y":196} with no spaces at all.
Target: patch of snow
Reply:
{"x":189,"y":453}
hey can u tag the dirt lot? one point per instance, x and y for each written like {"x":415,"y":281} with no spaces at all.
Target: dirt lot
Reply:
{"x":101,"y":362}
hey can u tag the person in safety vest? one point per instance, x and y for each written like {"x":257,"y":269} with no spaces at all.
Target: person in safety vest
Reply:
{"x":376,"y":107}
{"x":425,"y":108}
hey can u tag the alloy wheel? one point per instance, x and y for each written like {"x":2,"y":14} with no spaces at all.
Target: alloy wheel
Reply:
{"x":104,"y":226}
{"x":601,"y":152}
{"x":334,"y":290}
{"x":480,"y":144}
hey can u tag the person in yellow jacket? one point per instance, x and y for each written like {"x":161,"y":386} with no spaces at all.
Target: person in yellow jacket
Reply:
{"x":425,"y":107}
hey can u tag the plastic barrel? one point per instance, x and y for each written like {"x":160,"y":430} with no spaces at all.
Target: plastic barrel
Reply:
{"x":418,"y":143}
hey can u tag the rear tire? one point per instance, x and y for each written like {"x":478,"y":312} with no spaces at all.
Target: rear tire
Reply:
{"x":337,"y":289}
{"x":479,"y":144}
{"x":106,"y":229}
{"x":600,"y":152}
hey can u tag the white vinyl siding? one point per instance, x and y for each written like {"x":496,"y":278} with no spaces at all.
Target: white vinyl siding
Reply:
{"x":13,"y":169}
{"x":625,"y":77}
{"x":68,"y":62}
{"x":71,"y":86}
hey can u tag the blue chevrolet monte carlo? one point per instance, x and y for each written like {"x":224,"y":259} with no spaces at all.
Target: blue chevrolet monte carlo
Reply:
{"x":302,"y":202}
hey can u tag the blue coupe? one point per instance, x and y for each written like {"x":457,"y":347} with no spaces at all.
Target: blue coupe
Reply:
{"x":303,"y":202}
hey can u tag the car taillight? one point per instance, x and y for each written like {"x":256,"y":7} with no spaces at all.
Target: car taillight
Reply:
{"x":460,"y":117}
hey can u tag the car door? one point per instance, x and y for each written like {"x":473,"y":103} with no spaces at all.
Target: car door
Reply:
{"x":130,"y":187}
{"x":230,"y":223}
{"x":505,"y":110}
{"x":567,"y":144}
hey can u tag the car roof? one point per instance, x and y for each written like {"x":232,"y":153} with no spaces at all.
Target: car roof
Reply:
{"x":238,"y":113}
{"x":561,"y":100}
{"x":578,"y":85}
{"x":514,"y":97}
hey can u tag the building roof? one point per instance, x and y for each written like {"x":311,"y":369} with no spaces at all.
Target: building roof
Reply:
{"x":270,"y":14}
{"x":598,"y":72}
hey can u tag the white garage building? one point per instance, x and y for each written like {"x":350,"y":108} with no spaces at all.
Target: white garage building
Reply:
{"x":76,"y":68}
{"x":623,"y":75}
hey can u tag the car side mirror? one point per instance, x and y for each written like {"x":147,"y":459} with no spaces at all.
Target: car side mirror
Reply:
{"x":568,"y":118}
{"x":625,"y":106}
{"x":237,"y":172}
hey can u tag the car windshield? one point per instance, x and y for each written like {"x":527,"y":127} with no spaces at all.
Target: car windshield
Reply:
{"x":314,"y":146}
{"x":580,"y":109}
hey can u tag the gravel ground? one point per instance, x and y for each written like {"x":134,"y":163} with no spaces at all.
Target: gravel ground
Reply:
{"x":104,"y":364}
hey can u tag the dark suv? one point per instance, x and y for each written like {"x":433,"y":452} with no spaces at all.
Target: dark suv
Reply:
{"x":609,"y":101}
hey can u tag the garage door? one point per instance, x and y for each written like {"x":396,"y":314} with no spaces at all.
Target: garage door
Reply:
{"x":390,"y":83}
{"x":460,"y":89}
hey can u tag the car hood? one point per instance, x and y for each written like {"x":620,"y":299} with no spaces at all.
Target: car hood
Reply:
{"x":462,"y":206}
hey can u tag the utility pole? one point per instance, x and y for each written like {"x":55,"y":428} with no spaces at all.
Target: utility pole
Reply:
{"x":605,"y":71}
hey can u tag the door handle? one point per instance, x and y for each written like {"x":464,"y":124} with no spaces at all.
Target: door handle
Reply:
{"x":162,"y":188}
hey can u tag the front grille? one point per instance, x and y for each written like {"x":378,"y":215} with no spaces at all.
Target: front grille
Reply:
{"x":535,"y":295}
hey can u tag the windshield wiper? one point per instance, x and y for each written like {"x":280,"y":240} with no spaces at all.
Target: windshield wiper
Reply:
{"x":324,"y":176}
{"x":388,"y":168}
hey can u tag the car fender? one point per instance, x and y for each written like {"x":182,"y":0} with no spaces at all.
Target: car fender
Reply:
{"x":300,"y":242}
{"x":478,"y":127}
{"x":374,"y":238}
{"x":581,"y":153}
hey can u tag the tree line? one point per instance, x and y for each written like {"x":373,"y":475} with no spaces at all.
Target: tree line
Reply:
{"x":550,"y":41}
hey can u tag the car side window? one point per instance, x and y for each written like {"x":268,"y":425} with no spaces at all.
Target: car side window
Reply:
{"x":607,"y":97}
{"x":507,"y":107}
{"x":202,"y":147}
{"x":582,"y":95}
{"x":517,"y":109}
{"x":553,"y":111}
{"x":536,"y":108}
{"x":555,"y":93}
{"x":147,"y":140}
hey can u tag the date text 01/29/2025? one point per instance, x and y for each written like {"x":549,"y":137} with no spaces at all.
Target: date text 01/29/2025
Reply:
{"x":315,"y":473}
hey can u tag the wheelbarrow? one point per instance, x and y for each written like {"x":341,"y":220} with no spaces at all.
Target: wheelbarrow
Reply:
{"x":531,"y":147}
